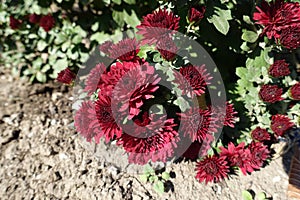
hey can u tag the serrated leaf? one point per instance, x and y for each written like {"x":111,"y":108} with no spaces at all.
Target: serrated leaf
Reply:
{"x":249,"y":36}
{"x":246,"y":195}
{"x":220,"y":20}
{"x":159,"y":187}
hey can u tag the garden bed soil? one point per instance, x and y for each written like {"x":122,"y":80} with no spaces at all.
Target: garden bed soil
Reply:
{"x":42,"y":157}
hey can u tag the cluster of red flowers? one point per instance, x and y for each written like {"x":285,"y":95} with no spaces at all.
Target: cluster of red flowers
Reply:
{"x":281,"y":21}
{"x":47,"y":22}
{"x":247,"y":159}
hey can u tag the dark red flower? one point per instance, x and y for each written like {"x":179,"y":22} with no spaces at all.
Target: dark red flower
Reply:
{"x":290,"y":37}
{"x":105,"y":47}
{"x":275,"y":16}
{"x":238,"y":156}
{"x":279,"y":68}
{"x":212,"y":169}
{"x":136,"y":86}
{"x":125,"y":50}
{"x":280,"y":124}
{"x":94,"y":79}
{"x":196,"y":13}
{"x":47,"y":22}
{"x":14,"y":23}
{"x":260,"y":134}
{"x":197,"y":124}
{"x":158,"y":25}
{"x":259,"y":154}
{"x":66,"y":76}
{"x":106,"y":119}
{"x":86,"y":122}
{"x":112,"y":77}
{"x":270,"y":93}
{"x":151,"y":138}
{"x":193,"y":80}
{"x":230,"y":118}
{"x":34,"y":18}
{"x":295,"y":91}
{"x":167,"y":48}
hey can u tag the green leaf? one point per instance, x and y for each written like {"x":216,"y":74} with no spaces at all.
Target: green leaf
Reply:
{"x":61,"y":64}
{"x":220,"y":20}
{"x":148,"y":169}
{"x":60,"y":38}
{"x":132,"y":19}
{"x":165,"y":176}
{"x":144,"y":177}
{"x":130,"y":1}
{"x":100,"y":37}
{"x":77,"y":39}
{"x":153,"y":179}
{"x":118,"y":2}
{"x":261,"y":196}
{"x":41,"y":45}
{"x":41,"y":77}
{"x":246,"y":195}
{"x":249,"y":36}
{"x":159,"y":187}
{"x":118,"y":17}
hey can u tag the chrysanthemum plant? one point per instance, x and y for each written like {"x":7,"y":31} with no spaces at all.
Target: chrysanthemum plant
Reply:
{"x":158,"y":104}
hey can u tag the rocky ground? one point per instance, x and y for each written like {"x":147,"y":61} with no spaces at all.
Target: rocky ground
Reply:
{"x":42,"y":157}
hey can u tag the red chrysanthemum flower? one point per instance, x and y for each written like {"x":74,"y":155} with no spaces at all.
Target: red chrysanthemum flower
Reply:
{"x":238,"y":156}
{"x":136,"y":86}
{"x":158,"y":25}
{"x":259,"y":154}
{"x":280,"y":124}
{"x":94,"y":79}
{"x":66,"y":76}
{"x":270,"y":93}
{"x":260,"y":134}
{"x":125,"y":50}
{"x":86,"y":122}
{"x":167,"y":48}
{"x":196,"y":13}
{"x":275,"y":16}
{"x":192,"y":80}
{"x":290,"y":37}
{"x":295,"y":91}
{"x":34,"y":18}
{"x":47,"y":22}
{"x":228,"y":119}
{"x":279,"y":68}
{"x":197,"y":124}
{"x":14,"y":23}
{"x":152,"y":138}
{"x":112,"y":77}
{"x":106,"y":119}
{"x":105,"y":47}
{"x":212,"y":169}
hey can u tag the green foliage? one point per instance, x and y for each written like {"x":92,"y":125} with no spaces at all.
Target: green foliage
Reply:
{"x":39,"y":55}
{"x":157,"y":179}
{"x":246,"y":195}
{"x":220,"y":20}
